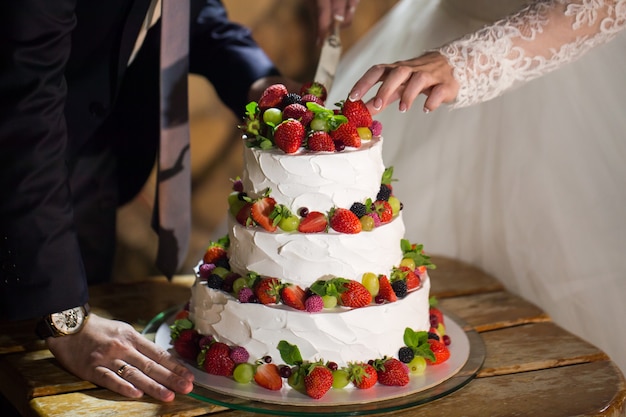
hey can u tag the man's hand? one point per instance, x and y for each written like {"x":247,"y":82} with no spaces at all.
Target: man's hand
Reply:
{"x":328,"y":10}
{"x":113,"y":355}
{"x":429,"y":74}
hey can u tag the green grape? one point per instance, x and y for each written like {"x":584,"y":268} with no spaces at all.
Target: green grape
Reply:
{"x":370,"y":281}
{"x":330,"y":301}
{"x":243,"y":373}
{"x":289,"y":224}
{"x":417,"y":366}
{"x":238,"y":284}
{"x":319,"y":124}
{"x":341,"y":378}
{"x":235,"y":206}
{"x":367,"y":223}
{"x":273,"y":116}
{"x":221,"y":271}
{"x":395,"y":205}
{"x":408,"y":262}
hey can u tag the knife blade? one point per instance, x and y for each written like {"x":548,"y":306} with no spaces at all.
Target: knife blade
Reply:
{"x":329,"y":56}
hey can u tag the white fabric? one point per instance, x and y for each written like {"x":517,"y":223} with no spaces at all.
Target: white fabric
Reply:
{"x":529,"y":186}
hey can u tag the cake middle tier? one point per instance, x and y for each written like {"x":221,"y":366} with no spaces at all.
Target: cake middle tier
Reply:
{"x":315,"y":180}
{"x":302,"y":258}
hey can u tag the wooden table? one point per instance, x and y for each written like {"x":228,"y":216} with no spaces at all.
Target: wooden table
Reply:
{"x":532,"y":366}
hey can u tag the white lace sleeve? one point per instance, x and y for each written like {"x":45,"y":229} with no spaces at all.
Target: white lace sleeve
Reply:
{"x":540,"y":38}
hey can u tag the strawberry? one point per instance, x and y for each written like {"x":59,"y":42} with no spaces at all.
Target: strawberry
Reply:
{"x":320,"y":141}
{"x":314,"y":222}
{"x":182,"y":314}
{"x":293,"y":296}
{"x":385,"y":291}
{"x":243,"y":215}
{"x":217,"y":360}
{"x":215,"y":252}
{"x":272,"y":96}
{"x":344,"y":221}
{"x":354,"y":294}
{"x":289,"y":135}
{"x":268,"y":376}
{"x":362,"y":375}
{"x":357,"y":113}
{"x":315,"y":88}
{"x":261,"y":210}
{"x":347,"y":134}
{"x":440,"y":350}
{"x":384,"y":210}
{"x":299,"y":112}
{"x":392,"y":372}
{"x":311,"y":98}
{"x":436,"y":316}
{"x":267,"y":290}
{"x":318,"y":381}
{"x":186,"y":344}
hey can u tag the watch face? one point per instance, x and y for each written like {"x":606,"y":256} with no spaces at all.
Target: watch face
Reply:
{"x":69,"y":321}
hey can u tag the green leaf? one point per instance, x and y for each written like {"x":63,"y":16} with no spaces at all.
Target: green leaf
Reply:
{"x":289,"y":353}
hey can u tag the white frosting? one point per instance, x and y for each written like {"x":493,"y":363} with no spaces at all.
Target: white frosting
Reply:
{"x":340,"y":335}
{"x":304,"y":258}
{"x":317,"y":181}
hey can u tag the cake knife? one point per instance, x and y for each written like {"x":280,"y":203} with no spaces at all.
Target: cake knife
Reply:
{"x":329,"y":56}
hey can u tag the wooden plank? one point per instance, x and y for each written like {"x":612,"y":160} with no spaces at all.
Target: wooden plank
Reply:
{"x":104,"y":403}
{"x":453,"y":278}
{"x":592,"y":389}
{"x":532,"y":347}
{"x":493,"y":310}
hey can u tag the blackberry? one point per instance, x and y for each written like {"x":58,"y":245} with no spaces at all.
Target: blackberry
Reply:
{"x":384,"y":193}
{"x":359,"y":209}
{"x":223,"y":262}
{"x":432,"y":335}
{"x":406,"y":354}
{"x":291,"y":98}
{"x":399,"y":287}
{"x":214,"y":281}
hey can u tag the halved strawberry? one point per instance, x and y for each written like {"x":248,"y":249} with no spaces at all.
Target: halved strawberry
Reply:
{"x":293,"y":296}
{"x":314,"y":222}
{"x":272,"y":96}
{"x":385,"y":291}
{"x":404,"y":272}
{"x":347,"y":134}
{"x":289,"y":135}
{"x":357,"y":113}
{"x":268,"y":376}
{"x":261,"y":210}
{"x":267,"y":290}
{"x":344,"y":221}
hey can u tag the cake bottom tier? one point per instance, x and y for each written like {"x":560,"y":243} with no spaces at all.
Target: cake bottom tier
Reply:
{"x":339,"y":335}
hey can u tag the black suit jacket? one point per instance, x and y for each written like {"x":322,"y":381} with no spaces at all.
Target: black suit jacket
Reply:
{"x":66,"y":88}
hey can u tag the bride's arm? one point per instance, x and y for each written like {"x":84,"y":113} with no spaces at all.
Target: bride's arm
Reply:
{"x":484,"y":64}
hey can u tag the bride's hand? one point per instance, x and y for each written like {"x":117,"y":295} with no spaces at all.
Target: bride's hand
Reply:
{"x":429,"y":74}
{"x":114,"y":355}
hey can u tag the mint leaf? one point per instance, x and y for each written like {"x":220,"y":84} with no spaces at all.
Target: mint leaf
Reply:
{"x":289,"y":353}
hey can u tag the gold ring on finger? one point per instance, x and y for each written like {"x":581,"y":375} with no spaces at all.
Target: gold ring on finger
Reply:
{"x":120,"y":371}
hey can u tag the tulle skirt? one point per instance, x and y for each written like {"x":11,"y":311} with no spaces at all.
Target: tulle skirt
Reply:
{"x":530,"y":186}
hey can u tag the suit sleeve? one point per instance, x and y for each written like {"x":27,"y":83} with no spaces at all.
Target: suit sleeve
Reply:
{"x":225,"y":53}
{"x":40,"y":265}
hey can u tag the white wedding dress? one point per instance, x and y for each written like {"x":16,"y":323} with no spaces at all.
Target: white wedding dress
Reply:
{"x":530,"y":185}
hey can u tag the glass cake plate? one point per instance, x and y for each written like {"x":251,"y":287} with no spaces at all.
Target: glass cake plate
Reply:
{"x":467,"y":353}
